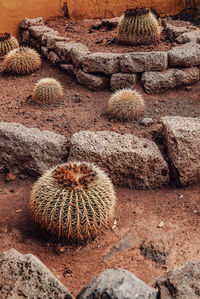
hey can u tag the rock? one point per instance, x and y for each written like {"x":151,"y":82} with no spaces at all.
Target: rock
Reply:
{"x":54,"y":58}
{"x":180,"y":283}
{"x":29,"y":150}
{"x":25,"y":37}
{"x":187,"y":37}
{"x":182,"y":139}
{"x":67,"y":68}
{"x":38,"y":31}
{"x":34,"y":43}
{"x":25,"y":276}
{"x":122,"y":80}
{"x":143,"y":61}
{"x":45,"y":51}
{"x":107,"y":63}
{"x":174,"y":32}
{"x":25,"y":23}
{"x":64,"y":49}
{"x":91,"y":81}
{"x":157,"y":248}
{"x":157,"y":82}
{"x":147,"y":121}
{"x":78,"y":55}
{"x":184,"y":56}
{"x":117,"y":284}
{"x":130,"y":161}
{"x":52,"y":39}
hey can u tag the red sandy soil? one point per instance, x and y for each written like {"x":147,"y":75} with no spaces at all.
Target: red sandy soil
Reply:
{"x":140,"y":211}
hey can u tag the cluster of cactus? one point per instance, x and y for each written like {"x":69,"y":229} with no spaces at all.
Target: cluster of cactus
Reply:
{"x":126,"y":104}
{"x":22,"y":61}
{"x":139,"y":26}
{"x":47,"y":90}
{"x":7,"y":43}
{"x":73,"y":201}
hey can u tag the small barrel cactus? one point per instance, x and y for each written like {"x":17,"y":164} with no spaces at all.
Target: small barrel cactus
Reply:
{"x":47,"y":90}
{"x":73,"y":201}
{"x":7,"y":43}
{"x":22,"y":61}
{"x":138,"y":26}
{"x":126,"y":104}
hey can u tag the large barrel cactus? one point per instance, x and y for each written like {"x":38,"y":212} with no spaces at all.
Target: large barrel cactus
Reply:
{"x":7,"y":43}
{"x":138,"y":26}
{"x":22,"y":61}
{"x":73,"y":201}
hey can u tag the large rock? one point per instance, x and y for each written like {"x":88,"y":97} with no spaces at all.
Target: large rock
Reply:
{"x":38,"y":31}
{"x":182,"y":138}
{"x":180,"y":283}
{"x":24,"y":276}
{"x":143,"y":61}
{"x":157,"y":82}
{"x":93,"y":82}
{"x":174,"y":32}
{"x":107,"y":63}
{"x":185,"y":56}
{"x":25,"y":23}
{"x":130,"y":161}
{"x":117,"y":284}
{"x":65,"y":49}
{"x":122,"y":80}
{"x":29,"y":149}
{"x":191,"y":36}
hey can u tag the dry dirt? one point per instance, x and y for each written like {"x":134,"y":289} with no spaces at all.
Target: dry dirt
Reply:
{"x":137,"y":211}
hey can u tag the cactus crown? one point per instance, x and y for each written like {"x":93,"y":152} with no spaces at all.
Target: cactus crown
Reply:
{"x":4,"y":36}
{"x":7,"y":43}
{"x":47,"y":90}
{"x":138,"y":26}
{"x":73,"y":201}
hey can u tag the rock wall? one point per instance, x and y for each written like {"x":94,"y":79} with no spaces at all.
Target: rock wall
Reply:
{"x":12,"y":12}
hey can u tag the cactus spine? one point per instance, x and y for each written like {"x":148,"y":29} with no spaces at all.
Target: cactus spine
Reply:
{"x":138,"y":27}
{"x":73,"y":201}
{"x":47,"y":90}
{"x":7,"y":43}
{"x":126,"y":104}
{"x":22,"y":61}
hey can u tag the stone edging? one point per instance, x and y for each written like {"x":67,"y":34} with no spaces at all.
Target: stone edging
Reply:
{"x":160,"y":70}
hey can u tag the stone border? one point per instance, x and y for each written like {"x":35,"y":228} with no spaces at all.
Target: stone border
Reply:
{"x":159,"y":71}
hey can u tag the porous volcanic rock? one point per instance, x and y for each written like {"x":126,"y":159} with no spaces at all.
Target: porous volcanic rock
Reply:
{"x":129,"y":160}
{"x":38,"y":31}
{"x":117,"y":284}
{"x":180,"y":283}
{"x":29,"y":149}
{"x":25,"y":23}
{"x":182,"y":139}
{"x":122,"y":80}
{"x":186,"y":55}
{"x":92,"y":81}
{"x":25,"y":276}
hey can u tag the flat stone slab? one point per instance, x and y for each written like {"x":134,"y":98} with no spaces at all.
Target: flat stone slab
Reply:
{"x":25,"y":276}
{"x":180,"y":283}
{"x":186,"y":55}
{"x":122,"y":80}
{"x":29,"y":149}
{"x":117,"y":284}
{"x":130,"y":161}
{"x":182,"y":139}
{"x":144,"y":61}
{"x":38,"y":31}
{"x":158,"y":82}
{"x":187,"y":37}
{"x":91,"y":81}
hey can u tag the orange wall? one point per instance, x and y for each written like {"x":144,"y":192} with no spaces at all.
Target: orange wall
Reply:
{"x":13,"y":11}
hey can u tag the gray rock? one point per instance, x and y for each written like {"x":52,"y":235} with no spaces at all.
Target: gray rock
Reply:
{"x":78,"y":54}
{"x":67,"y":68}
{"x":25,"y":276}
{"x":28,"y":149}
{"x":38,"y":31}
{"x":45,"y":51}
{"x":122,"y":80}
{"x":157,"y":82}
{"x":185,"y":56}
{"x":25,"y":37}
{"x":130,"y":161}
{"x":64,"y":49}
{"x":52,"y":39}
{"x":182,"y":138}
{"x":147,"y":121}
{"x":143,"y":61}
{"x":175,"y":31}
{"x":106,"y":63}
{"x":54,"y":58}
{"x":91,"y":81}
{"x":180,"y":283}
{"x":117,"y":284}
{"x":25,"y":23}
{"x":187,"y":37}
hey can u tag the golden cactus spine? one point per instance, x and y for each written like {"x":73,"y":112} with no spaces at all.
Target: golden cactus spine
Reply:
{"x":22,"y":61}
{"x":126,"y":104}
{"x":138,"y":27}
{"x":73,"y":201}
{"x":47,"y":90}
{"x":7,"y":43}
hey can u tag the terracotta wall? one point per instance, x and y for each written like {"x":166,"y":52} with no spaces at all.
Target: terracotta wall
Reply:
{"x":13,"y":11}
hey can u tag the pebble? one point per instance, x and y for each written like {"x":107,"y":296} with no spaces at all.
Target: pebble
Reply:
{"x":161,"y":224}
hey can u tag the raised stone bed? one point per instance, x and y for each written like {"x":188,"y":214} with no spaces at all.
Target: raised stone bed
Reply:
{"x":160,"y":70}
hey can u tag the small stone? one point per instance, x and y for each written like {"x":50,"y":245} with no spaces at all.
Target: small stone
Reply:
{"x":161,"y":224}
{"x":146,"y":121}
{"x":114,"y":224}
{"x":18,"y":211}
{"x":188,"y":88}
{"x":181,"y":196}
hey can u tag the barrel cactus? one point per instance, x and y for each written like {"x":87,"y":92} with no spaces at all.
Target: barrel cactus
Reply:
{"x":7,"y":43}
{"x":47,"y":90}
{"x":126,"y":104}
{"x":138,"y":26}
{"x":73,"y":201}
{"x":22,"y":61}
